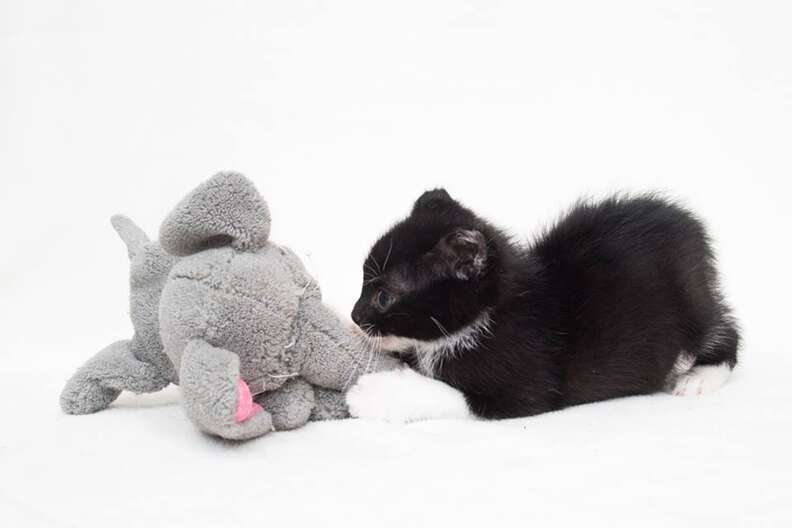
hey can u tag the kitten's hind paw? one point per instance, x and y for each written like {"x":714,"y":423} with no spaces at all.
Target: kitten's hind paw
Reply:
{"x":702,"y":379}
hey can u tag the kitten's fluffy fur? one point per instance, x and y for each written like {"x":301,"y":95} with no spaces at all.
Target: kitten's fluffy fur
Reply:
{"x":619,"y":298}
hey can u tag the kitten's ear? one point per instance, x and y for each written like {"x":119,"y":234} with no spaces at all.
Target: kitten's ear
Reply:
{"x":463,"y":253}
{"x":433,"y":199}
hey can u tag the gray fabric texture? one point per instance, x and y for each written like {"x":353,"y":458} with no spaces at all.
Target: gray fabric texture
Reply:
{"x":208,"y":379}
{"x":291,"y":405}
{"x":99,"y":382}
{"x":217,"y":302}
{"x":330,"y":405}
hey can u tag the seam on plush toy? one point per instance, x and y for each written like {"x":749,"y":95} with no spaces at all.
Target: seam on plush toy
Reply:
{"x":207,"y":283}
{"x":295,"y":335}
{"x":204,"y":307}
{"x":228,"y":289}
{"x":224,"y":278}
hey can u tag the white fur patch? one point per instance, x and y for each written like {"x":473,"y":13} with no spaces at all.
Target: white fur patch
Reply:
{"x":403,"y":395}
{"x":431,"y":354}
{"x":701,"y":380}
{"x":395,"y":343}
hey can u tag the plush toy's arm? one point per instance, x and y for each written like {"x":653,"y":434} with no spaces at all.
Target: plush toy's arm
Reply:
{"x":214,"y":396}
{"x":335,"y":356}
{"x":99,"y":382}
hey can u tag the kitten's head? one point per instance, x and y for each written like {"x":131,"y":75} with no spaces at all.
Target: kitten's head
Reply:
{"x":430,"y":275}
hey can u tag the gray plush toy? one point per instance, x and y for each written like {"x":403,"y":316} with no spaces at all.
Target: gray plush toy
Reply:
{"x":232,"y":318}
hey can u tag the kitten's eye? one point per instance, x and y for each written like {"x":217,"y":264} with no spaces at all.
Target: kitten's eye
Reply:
{"x":383,"y":300}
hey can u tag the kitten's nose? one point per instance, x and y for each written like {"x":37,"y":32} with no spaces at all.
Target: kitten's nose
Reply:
{"x":357,"y":313}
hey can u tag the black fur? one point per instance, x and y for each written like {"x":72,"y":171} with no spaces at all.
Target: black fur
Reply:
{"x":598,"y":307}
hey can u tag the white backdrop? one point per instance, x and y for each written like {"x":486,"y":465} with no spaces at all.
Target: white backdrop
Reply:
{"x":342,"y":113}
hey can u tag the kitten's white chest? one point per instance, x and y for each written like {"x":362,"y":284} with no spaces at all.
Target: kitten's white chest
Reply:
{"x":432,"y":354}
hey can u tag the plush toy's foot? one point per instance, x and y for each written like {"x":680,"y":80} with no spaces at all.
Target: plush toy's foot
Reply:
{"x":290,"y":405}
{"x":99,"y":382}
{"x":330,"y":405}
{"x":215,"y":397}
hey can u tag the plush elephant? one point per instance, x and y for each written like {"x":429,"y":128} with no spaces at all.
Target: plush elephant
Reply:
{"x":231,"y":317}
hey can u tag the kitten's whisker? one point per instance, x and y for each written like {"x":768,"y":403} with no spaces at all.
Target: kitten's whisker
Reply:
{"x":367,"y":327}
{"x":372,"y":351}
{"x":379,"y":268}
{"x":370,"y":269}
{"x":440,"y":326}
{"x":387,"y":258}
{"x":357,"y":363}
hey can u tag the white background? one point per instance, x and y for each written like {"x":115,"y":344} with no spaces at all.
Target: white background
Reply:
{"x":342,"y":113}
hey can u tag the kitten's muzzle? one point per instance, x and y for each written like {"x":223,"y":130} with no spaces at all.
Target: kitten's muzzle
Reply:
{"x":360,"y":312}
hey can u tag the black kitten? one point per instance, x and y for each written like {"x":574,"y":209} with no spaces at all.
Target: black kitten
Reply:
{"x":618,"y":298}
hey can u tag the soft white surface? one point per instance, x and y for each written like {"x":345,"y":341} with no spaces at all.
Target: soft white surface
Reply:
{"x":342,"y":112}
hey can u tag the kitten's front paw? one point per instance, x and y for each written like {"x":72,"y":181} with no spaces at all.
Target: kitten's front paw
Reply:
{"x":368,"y":397}
{"x":403,"y":395}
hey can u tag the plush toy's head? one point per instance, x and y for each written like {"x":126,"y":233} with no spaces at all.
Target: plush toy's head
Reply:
{"x":232,"y":287}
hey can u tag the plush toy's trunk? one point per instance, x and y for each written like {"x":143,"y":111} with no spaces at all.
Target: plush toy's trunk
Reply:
{"x":352,"y":356}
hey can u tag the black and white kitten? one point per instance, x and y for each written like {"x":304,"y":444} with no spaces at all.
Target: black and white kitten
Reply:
{"x":619,"y":298}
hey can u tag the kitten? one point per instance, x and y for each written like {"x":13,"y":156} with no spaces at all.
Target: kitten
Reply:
{"x":619,"y":298}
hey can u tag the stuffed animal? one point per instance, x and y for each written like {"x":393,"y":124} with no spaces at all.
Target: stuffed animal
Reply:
{"x":231,"y":317}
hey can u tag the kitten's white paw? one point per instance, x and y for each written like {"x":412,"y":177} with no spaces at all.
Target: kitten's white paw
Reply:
{"x":403,"y":395}
{"x":702,"y":380}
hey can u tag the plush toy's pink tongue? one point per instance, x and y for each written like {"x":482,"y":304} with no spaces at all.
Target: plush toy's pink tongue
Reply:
{"x":246,"y":407}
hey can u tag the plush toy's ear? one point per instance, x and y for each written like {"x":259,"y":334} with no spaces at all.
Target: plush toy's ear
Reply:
{"x":225,"y":210}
